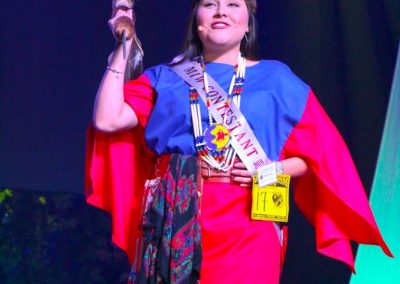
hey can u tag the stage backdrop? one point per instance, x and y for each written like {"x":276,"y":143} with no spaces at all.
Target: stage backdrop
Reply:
{"x":53,"y":54}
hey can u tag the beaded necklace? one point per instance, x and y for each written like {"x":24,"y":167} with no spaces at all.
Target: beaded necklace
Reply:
{"x":213,"y":145}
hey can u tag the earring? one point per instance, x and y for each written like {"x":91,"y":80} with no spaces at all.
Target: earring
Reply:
{"x":245,"y":36}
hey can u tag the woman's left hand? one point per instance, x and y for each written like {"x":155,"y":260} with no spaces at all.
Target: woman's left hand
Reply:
{"x":294,"y":166}
{"x":241,"y":175}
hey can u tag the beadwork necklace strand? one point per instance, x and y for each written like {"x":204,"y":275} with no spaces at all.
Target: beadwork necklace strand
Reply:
{"x":213,"y":145}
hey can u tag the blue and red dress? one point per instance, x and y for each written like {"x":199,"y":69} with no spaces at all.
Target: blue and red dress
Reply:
{"x":288,"y":122}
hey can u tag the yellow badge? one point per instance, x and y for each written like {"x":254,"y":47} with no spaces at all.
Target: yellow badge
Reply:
{"x":272,"y":201}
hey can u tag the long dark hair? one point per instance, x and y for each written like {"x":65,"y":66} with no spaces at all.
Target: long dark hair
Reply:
{"x":193,"y":47}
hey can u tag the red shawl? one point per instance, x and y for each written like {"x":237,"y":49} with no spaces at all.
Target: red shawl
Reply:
{"x":332,"y":197}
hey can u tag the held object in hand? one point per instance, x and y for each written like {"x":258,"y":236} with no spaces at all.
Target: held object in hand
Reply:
{"x":123,"y":24}
{"x":124,"y":29}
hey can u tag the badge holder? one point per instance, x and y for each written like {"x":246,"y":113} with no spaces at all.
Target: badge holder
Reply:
{"x":270,"y":195}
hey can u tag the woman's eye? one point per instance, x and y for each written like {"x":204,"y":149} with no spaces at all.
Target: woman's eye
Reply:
{"x":208,"y":4}
{"x":233,"y":4}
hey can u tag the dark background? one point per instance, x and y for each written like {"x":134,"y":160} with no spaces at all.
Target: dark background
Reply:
{"x":53,"y":54}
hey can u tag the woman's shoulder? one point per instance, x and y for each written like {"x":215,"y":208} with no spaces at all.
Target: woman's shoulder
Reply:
{"x":272,"y":66}
{"x":278,"y":72}
{"x":159,"y":72}
{"x":156,"y":69}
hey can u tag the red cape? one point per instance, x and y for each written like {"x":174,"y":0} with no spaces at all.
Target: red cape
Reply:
{"x":331,"y":197}
{"x":117,"y":167}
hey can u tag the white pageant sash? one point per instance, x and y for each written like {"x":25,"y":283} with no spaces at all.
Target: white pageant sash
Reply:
{"x":242,"y":137}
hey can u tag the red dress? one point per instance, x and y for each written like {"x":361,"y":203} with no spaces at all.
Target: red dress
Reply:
{"x":236,"y":249}
{"x":331,"y":197}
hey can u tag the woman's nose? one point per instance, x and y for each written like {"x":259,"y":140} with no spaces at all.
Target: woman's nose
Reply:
{"x":221,"y":11}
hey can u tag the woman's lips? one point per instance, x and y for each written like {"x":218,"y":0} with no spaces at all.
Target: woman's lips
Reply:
{"x":219,"y":25}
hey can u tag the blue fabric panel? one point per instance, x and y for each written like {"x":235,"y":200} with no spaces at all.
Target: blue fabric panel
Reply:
{"x":273,"y":101}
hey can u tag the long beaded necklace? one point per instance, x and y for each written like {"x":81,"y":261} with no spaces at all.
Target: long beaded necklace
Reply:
{"x":213,"y":145}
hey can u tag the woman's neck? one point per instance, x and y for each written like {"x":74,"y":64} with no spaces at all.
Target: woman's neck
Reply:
{"x":227,"y":57}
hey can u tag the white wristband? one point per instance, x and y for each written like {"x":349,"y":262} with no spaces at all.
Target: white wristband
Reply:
{"x":279,"y":168}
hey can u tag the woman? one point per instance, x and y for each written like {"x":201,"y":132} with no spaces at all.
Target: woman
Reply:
{"x":287,"y":122}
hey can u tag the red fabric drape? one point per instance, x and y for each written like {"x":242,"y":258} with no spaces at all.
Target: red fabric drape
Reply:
{"x":331,"y":197}
{"x":117,"y":166}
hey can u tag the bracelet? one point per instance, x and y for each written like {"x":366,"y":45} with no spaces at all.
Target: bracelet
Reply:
{"x":115,"y":71}
{"x":279,"y":168}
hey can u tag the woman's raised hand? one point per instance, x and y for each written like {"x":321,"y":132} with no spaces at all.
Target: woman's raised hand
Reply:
{"x":111,"y":113}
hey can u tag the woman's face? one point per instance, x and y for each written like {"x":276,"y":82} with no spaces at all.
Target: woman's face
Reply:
{"x":222,"y":24}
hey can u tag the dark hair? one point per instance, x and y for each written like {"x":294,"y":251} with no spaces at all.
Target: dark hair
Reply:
{"x":193,"y":47}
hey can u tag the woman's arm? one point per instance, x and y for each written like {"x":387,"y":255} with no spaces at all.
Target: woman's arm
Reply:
{"x":294,"y":167}
{"x":110,"y":112}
